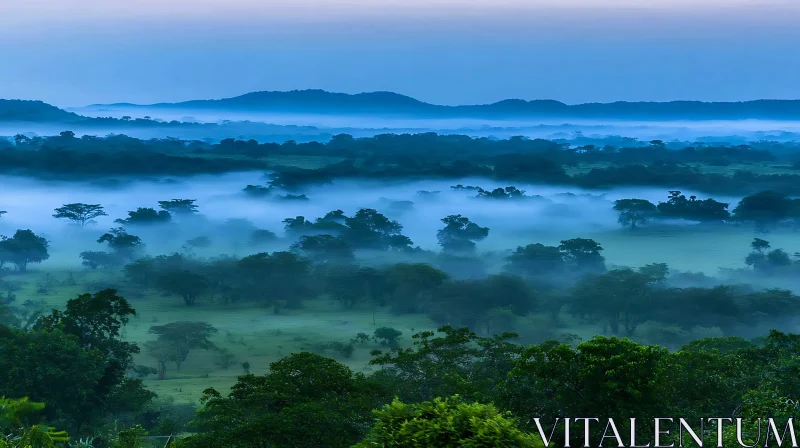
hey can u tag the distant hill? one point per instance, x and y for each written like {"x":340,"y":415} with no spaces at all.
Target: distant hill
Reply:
{"x":393,"y":104}
{"x":35,"y":111}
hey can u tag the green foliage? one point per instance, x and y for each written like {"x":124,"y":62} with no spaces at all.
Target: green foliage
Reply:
{"x":305,"y":400}
{"x":615,"y":378}
{"x":135,"y":437}
{"x":23,"y":248}
{"x":447,"y":362}
{"x":583,"y":254}
{"x":122,"y":243}
{"x":15,"y":431}
{"x":178,"y":339}
{"x":764,"y":209}
{"x":387,"y":336}
{"x":445,"y":423}
{"x":184,"y":283}
{"x":634,"y":212}
{"x":677,"y":206}
{"x":76,"y":362}
{"x":97,"y":259}
{"x":619,"y":297}
{"x":459,"y":234}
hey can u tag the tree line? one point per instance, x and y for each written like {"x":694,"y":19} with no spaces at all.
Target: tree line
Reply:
{"x":406,"y":156}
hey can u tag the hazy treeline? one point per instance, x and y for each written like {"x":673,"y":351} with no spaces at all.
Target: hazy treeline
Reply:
{"x":410,"y":156}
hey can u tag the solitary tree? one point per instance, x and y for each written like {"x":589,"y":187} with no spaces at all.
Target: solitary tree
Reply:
{"x":460,"y":234}
{"x":183,"y":337}
{"x":583,"y":254}
{"x":633,"y":212}
{"x":763,"y":209}
{"x":98,"y":259}
{"x":79,"y":213}
{"x":184,"y":283}
{"x":121,"y":242}
{"x":23,"y":248}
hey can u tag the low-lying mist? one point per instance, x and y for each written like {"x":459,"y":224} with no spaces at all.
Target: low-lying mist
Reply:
{"x":548,"y":215}
{"x":551,"y":128}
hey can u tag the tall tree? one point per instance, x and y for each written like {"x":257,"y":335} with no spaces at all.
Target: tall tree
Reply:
{"x":121,"y":242}
{"x":583,"y":254}
{"x":305,"y":400}
{"x":23,"y":248}
{"x":764,"y":209}
{"x":633,"y":212}
{"x":94,"y":322}
{"x":183,"y":337}
{"x":79,"y":213}
{"x":460,"y":234}
{"x":187,"y":284}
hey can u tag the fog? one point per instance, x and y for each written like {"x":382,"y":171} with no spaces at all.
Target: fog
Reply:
{"x":366,"y":126}
{"x":558,"y":213}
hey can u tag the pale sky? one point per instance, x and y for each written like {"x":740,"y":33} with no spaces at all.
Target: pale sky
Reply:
{"x":76,"y":52}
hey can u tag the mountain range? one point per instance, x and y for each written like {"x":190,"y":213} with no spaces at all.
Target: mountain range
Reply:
{"x":388,"y":104}
{"x":393,"y":104}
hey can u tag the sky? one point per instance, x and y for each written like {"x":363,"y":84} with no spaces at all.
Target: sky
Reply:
{"x":79,"y":52}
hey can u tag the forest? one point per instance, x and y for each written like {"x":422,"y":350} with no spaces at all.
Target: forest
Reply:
{"x":413,"y":290}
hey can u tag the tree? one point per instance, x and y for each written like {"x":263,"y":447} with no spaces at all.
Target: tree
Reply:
{"x":445,"y":423}
{"x":387,"y":335}
{"x":612,"y":377}
{"x":14,"y":431}
{"x":583,"y":254}
{"x":179,"y":338}
{"x":23,"y":248}
{"x":368,"y":229}
{"x":324,"y":248}
{"x":297,"y":226}
{"x":633,"y":212}
{"x":305,"y":400}
{"x":79,"y":213}
{"x":122,"y":243}
{"x":2,"y":212}
{"x":412,"y":285}
{"x":460,"y":234}
{"x":184,"y":283}
{"x":620,"y":296}
{"x":76,"y":362}
{"x":677,"y":206}
{"x":447,"y":362}
{"x":97,"y":259}
{"x":179,"y":207}
{"x":764,"y":209}
{"x":536,"y":260}
{"x":766,"y":262}
{"x":163,"y":352}
{"x":145,"y":216}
